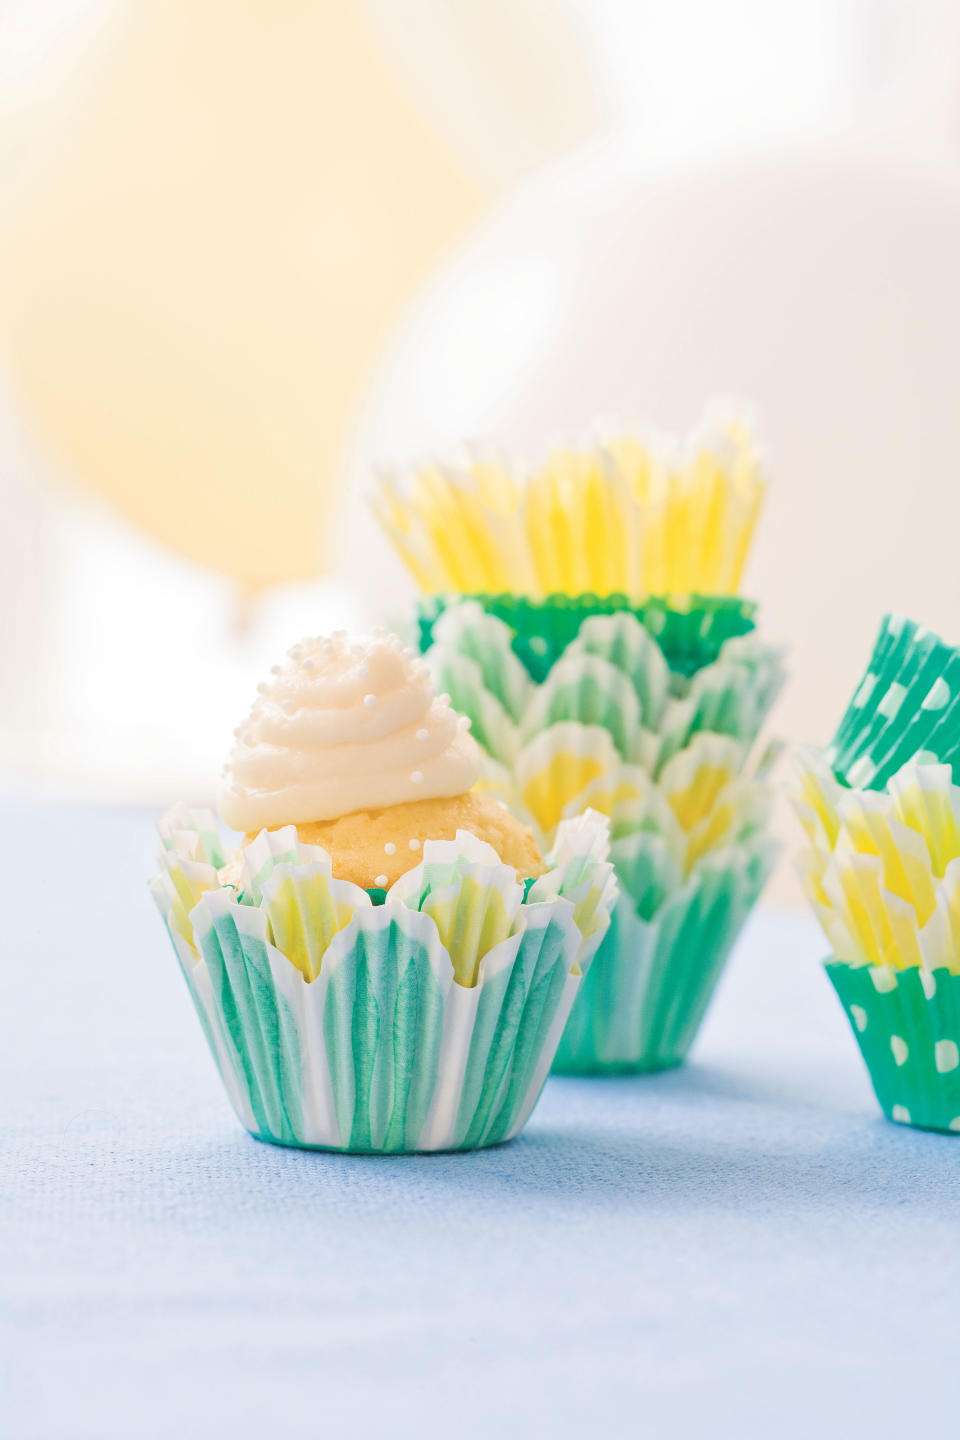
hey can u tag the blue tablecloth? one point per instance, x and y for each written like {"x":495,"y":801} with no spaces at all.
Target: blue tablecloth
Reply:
{"x":741,"y":1247}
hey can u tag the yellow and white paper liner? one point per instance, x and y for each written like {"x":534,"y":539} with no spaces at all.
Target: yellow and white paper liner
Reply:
{"x":882,"y":872}
{"x":626,"y":514}
{"x":426,"y":1023}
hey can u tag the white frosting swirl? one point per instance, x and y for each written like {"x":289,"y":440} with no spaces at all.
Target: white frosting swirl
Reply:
{"x":342,"y":727}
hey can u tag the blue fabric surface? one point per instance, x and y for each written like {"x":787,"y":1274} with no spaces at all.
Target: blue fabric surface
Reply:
{"x":740,"y":1247}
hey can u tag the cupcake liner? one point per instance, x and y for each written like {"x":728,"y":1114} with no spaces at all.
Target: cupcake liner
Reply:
{"x":882,"y":872}
{"x":906,"y":706}
{"x":907,"y":1025}
{"x":653,"y":977}
{"x":622,"y":516}
{"x":690,"y":630}
{"x":670,"y":759}
{"x":612,"y":676}
{"x":343,"y":1025}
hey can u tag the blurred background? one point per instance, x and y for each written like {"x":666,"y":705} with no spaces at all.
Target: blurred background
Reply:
{"x":250,"y":248}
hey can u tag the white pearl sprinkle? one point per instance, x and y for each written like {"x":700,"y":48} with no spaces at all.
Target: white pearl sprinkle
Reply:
{"x":380,"y":881}
{"x":390,"y":848}
{"x":465,"y":722}
{"x":423,"y":735}
{"x":414,"y":844}
{"x":308,"y":665}
{"x":369,"y":701}
{"x":417,"y":777}
{"x":444,"y":698}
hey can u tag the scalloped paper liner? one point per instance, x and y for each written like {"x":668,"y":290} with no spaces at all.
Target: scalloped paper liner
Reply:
{"x":357,"y":1035}
{"x":650,"y":984}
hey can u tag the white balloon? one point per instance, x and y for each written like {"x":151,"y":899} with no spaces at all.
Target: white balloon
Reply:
{"x":821,"y":284}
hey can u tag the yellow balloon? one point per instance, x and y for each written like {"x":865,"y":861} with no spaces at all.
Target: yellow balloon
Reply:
{"x":215,"y":212}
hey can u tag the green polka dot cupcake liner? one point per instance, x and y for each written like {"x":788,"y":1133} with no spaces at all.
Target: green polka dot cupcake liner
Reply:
{"x":906,"y":707}
{"x":426,"y":1022}
{"x":907,"y":1025}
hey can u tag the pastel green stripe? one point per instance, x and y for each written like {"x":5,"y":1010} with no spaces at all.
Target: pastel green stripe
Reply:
{"x":258,"y":1025}
{"x":690,"y":634}
{"x":383,"y":1022}
{"x":608,"y":700}
{"x":646,"y":992}
{"x":909,"y":1039}
{"x":198,"y":1005}
{"x":515,"y":1011}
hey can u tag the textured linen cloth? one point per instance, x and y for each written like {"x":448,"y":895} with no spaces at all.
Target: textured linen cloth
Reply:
{"x":742,"y":1246}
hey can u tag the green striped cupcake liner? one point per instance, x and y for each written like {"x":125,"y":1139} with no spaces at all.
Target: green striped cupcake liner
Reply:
{"x":690,"y":630}
{"x":907,"y":706}
{"x":426,"y":1022}
{"x":648,"y":989}
{"x":907,"y":1025}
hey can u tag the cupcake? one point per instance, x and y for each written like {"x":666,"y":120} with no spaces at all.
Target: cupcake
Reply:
{"x":585,"y":618}
{"x":384,"y":962}
{"x":881,"y":811}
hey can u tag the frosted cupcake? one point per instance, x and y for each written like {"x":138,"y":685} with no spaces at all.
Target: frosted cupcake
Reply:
{"x":585,"y":616}
{"x":384,"y":963}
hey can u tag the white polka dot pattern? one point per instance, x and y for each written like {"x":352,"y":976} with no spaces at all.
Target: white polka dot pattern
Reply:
{"x":946,"y":1056}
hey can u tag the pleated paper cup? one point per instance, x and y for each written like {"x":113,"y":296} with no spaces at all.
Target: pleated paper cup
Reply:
{"x":668,"y":754}
{"x":907,"y":1025}
{"x":650,"y":984}
{"x":426,"y":1022}
{"x":906,"y":707}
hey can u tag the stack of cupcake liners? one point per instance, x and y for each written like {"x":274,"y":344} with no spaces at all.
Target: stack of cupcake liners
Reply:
{"x":881,"y":811}
{"x":423,"y":1019}
{"x":585,"y":689}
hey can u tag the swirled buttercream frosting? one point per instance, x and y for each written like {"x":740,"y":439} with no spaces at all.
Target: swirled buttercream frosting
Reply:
{"x":344,"y":726}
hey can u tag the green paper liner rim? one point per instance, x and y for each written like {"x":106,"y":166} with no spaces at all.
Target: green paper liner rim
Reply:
{"x":690,"y":630}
